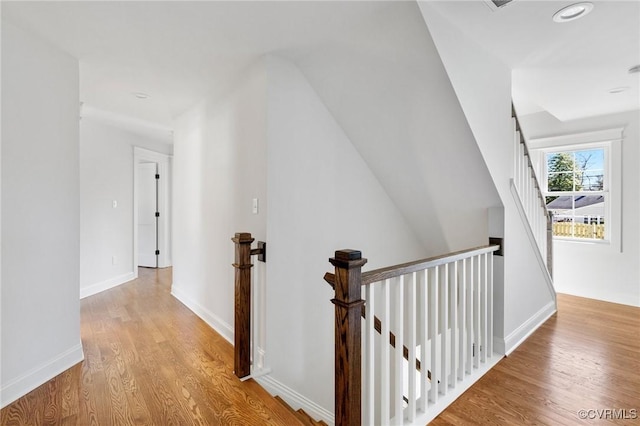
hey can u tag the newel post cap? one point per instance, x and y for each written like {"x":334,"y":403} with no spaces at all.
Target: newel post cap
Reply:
{"x":242,"y":238}
{"x":347,"y":258}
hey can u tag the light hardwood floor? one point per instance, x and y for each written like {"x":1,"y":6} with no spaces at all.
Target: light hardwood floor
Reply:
{"x":586,"y":357}
{"x":149,"y":360}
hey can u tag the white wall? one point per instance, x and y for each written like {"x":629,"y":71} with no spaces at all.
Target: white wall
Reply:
{"x":220,"y":160}
{"x":40,"y":213}
{"x":220,"y":164}
{"x":482,"y":84}
{"x":389,"y":91}
{"x":106,"y":175}
{"x":601,"y":271}
{"x":322,"y":197}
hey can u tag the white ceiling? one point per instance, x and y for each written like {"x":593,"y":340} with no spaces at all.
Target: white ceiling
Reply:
{"x":565,"y":69}
{"x":178,"y":51}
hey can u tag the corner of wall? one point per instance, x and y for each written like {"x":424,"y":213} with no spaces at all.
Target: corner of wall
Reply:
{"x":520,"y":334}
{"x":40,"y":374}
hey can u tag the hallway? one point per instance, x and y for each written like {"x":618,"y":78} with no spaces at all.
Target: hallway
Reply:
{"x":148,"y":361}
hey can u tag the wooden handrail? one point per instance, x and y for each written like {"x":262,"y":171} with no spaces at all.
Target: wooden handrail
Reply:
{"x":376,"y":275}
{"x":388,"y":272}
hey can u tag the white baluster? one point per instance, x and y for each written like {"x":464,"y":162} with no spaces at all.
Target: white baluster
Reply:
{"x":463,"y":318}
{"x":423,"y":317}
{"x":398,"y":323}
{"x":433,"y":333}
{"x":476,"y":311}
{"x":470,"y":317}
{"x":385,"y":382}
{"x":444,"y":326}
{"x":411,"y":344}
{"x":483,"y":308}
{"x":453,"y":309}
{"x":490,"y":302}
{"x":368,"y":356}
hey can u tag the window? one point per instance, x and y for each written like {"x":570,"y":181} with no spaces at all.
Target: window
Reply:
{"x":581,"y":176}
{"x":577,"y":192}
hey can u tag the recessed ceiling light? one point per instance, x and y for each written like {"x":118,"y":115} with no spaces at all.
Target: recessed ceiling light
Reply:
{"x":573,"y":12}
{"x":140,"y":95}
{"x":634,"y":70}
{"x":619,"y":89}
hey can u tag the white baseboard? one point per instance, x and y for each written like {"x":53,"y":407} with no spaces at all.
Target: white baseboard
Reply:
{"x":295,"y":400}
{"x":24,"y":384}
{"x":520,"y":334}
{"x":214,"y":321}
{"x":107,"y":284}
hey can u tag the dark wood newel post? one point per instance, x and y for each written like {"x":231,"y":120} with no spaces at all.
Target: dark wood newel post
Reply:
{"x":348,"y":357}
{"x":242,"y":324}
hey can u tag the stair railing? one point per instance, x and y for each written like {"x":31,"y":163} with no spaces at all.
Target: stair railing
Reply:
{"x":531,"y":198}
{"x":243,"y":347}
{"x":440,"y":310}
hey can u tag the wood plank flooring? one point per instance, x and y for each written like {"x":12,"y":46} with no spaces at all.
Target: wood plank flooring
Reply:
{"x":586,"y":357}
{"x":148,"y":361}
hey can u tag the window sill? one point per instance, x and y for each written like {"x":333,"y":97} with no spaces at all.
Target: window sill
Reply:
{"x":582,"y":240}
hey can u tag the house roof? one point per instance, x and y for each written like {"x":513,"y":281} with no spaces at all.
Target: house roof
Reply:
{"x":565,"y":202}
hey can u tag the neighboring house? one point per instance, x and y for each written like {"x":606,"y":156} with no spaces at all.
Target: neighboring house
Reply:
{"x":361,"y":126}
{"x":586,"y":207}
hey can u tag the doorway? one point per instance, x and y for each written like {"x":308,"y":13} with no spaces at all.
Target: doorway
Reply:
{"x":148,"y":214}
{"x":151,"y":209}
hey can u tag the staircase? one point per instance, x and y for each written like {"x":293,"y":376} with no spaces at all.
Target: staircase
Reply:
{"x":301,"y":415}
{"x":531,"y":203}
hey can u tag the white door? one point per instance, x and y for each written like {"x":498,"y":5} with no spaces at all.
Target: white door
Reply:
{"x":147,"y":208}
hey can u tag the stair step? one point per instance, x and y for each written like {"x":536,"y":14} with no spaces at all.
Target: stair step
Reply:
{"x":281,"y":413}
{"x":302,"y":415}
{"x":307,"y":418}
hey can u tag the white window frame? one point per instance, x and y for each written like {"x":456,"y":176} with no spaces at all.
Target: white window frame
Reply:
{"x":611,"y":141}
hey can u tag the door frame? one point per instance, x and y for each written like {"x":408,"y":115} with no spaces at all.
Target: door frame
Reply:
{"x":164,"y":221}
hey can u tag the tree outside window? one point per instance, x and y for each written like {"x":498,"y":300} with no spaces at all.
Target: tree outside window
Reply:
{"x":576,"y":193}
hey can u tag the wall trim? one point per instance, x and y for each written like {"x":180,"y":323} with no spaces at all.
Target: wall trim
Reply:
{"x":214,"y":321}
{"x":35,"y":377}
{"x":295,"y":400}
{"x":520,"y":334}
{"x":106,"y":284}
